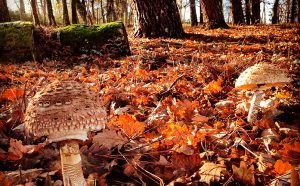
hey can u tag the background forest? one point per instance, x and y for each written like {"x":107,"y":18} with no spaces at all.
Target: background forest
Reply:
{"x":173,"y":104}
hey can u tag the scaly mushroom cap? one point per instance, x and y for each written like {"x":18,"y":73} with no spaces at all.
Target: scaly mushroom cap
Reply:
{"x":64,"y":110}
{"x":261,"y":76}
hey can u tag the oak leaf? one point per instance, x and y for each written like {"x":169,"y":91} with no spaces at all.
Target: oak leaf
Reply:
{"x":243,"y":173}
{"x":211,"y":172}
{"x":282,"y":167}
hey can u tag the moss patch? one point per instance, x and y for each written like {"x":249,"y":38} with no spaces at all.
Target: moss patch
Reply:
{"x":89,"y":37}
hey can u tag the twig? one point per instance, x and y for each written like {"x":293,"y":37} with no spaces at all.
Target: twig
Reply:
{"x":165,"y":93}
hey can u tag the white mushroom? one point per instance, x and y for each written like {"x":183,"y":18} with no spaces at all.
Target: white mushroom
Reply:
{"x":259,"y":78}
{"x":61,"y":111}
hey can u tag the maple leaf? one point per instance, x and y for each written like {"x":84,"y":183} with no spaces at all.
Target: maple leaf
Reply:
{"x":211,"y":172}
{"x":12,"y":94}
{"x":281,"y":167}
{"x":129,"y":124}
{"x":244,"y":174}
{"x":109,"y":138}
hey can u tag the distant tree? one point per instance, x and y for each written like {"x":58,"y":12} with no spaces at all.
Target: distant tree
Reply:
{"x":275,"y":12}
{"x":193,"y":13}
{"x":35,"y":16}
{"x":66,"y":20}
{"x":124,"y":11}
{"x":255,"y":11}
{"x":4,"y":13}
{"x":293,"y":11}
{"x":201,"y":13}
{"x":157,"y":18}
{"x":213,"y":14}
{"x":82,"y":10}
{"x":111,"y":12}
{"x":237,"y":11}
{"x":298,"y":11}
{"x":50,"y":13}
{"x":247,"y":11}
{"x":74,"y":12}
{"x":22,"y":9}
{"x":102,"y":12}
{"x":288,"y":10}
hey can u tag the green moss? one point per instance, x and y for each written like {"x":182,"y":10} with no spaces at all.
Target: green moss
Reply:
{"x":83,"y":36}
{"x":15,"y":35}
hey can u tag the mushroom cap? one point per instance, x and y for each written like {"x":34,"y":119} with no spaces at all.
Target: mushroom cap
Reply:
{"x":64,"y":110}
{"x":261,"y":76}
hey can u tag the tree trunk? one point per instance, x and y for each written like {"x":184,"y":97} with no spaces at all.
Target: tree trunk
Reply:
{"x":82,"y":10}
{"x":4,"y":14}
{"x":237,"y":12}
{"x":255,"y":11}
{"x":93,"y":9}
{"x":293,"y":12}
{"x":102,"y":12}
{"x":111,"y":13}
{"x":157,"y":18}
{"x":213,"y":14}
{"x":201,"y":13}
{"x":35,"y":16}
{"x":193,"y":13}
{"x":22,"y":10}
{"x":74,"y":12}
{"x":66,"y":20}
{"x":298,"y":11}
{"x":275,"y":12}
{"x":51,"y":18}
{"x":179,"y":5}
{"x":43,"y":7}
{"x":247,"y":11}
{"x":288,"y":10}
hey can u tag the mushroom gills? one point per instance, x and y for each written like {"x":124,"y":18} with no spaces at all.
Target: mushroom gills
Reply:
{"x":71,"y":164}
{"x":252,"y":114}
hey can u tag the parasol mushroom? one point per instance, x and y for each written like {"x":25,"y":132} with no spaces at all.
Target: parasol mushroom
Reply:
{"x":66,"y":111}
{"x":258,"y":78}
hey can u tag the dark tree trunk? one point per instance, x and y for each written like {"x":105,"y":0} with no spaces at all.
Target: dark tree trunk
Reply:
{"x":275,"y":12}
{"x":298,"y":11}
{"x":193,"y":13}
{"x":157,"y":18}
{"x":247,"y":12}
{"x":22,"y":10}
{"x":93,"y":8}
{"x":293,"y":11}
{"x":4,"y":14}
{"x":255,"y":12}
{"x":74,"y":12}
{"x":111,"y":12}
{"x":124,"y":6}
{"x":213,"y":14}
{"x":43,"y":7}
{"x":35,"y":16}
{"x":288,"y":7}
{"x":237,"y":12}
{"x":102,"y":12}
{"x":50,"y":13}
{"x":66,"y":19}
{"x":201,"y":13}
{"x":82,"y":10}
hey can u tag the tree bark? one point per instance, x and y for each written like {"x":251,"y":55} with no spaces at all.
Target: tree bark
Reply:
{"x":275,"y":12}
{"x":193,"y":13}
{"x":4,"y":13}
{"x":35,"y":16}
{"x":213,"y":14}
{"x":124,"y":6}
{"x":201,"y":13}
{"x":74,"y":12}
{"x":51,"y":17}
{"x":102,"y":12}
{"x":82,"y":10}
{"x":247,"y":12}
{"x":157,"y":18}
{"x":255,"y":11}
{"x":298,"y":11}
{"x":288,"y":10}
{"x":237,"y":12}
{"x":293,"y":11}
{"x":66,"y":20}
{"x":111,"y":13}
{"x":93,"y":9}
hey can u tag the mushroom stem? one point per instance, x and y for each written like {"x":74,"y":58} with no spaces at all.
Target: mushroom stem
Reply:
{"x":71,"y":164}
{"x":252,"y":114}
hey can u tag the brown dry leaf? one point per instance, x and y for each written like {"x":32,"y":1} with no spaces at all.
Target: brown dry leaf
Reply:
{"x":109,"y":138}
{"x":211,"y":172}
{"x":16,"y":149}
{"x":199,"y":118}
{"x":186,"y":162}
{"x":244,"y":174}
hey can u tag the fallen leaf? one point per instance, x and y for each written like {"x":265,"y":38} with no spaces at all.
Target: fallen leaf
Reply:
{"x":211,"y":172}
{"x":282,"y":167}
{"x":244,"y":174}
{"x":109,"y":138}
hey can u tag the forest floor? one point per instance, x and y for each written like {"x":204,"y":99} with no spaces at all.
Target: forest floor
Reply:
{"x":174,"y":115}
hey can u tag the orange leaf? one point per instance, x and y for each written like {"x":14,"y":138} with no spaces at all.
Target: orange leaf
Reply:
{"x":12,"y":94}
{"x":129,"y":124}
{"x":243,"y":173}
{"x":214,"y":87}
{"x":281,"y":167}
